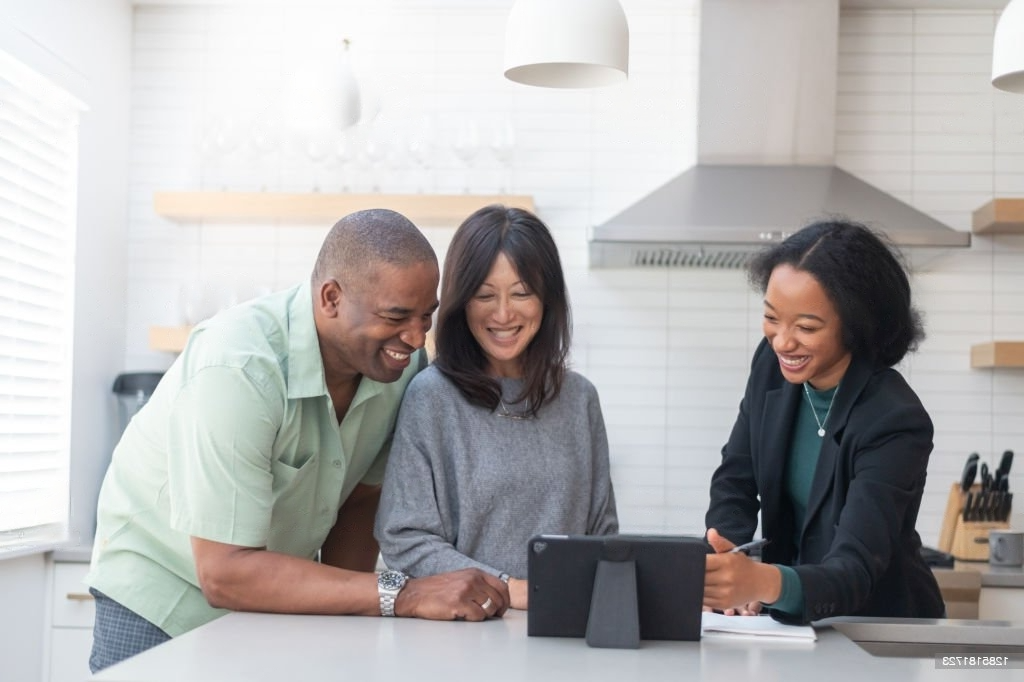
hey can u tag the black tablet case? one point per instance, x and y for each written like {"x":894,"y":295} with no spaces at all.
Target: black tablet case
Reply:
{"x":669,"y":581}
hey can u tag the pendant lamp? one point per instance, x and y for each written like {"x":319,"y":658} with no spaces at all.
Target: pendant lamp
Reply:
{"x":1008,"y":49}
{"x":567,"y":43}
{"x":348,"y":99}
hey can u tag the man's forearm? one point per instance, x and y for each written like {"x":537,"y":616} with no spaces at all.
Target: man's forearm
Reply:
{"x":246,"y":579}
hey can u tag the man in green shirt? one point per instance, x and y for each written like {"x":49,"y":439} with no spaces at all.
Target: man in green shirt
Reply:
{"x":250,"y":479}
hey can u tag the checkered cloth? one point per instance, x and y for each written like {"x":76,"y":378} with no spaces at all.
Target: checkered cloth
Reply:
{"x":119,"y":633}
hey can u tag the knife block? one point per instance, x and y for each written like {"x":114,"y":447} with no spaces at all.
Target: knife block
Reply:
{"x":965,"y":540}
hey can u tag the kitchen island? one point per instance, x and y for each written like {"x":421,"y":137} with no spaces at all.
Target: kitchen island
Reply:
{"x":254,"y":647}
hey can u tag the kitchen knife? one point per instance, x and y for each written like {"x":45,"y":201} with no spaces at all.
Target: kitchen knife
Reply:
{"x":968,"y":511}
{"x":1005,"y":463}
{"x":986,"y":481}
{"x":970,"y":470}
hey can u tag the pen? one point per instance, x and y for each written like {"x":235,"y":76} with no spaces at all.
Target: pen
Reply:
{"x":746,"y":547}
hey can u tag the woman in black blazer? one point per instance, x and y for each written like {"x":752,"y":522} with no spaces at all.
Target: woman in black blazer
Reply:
{"x":831,"y":445}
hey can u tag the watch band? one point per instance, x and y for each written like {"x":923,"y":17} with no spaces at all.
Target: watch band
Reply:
{"x":389,"y":584}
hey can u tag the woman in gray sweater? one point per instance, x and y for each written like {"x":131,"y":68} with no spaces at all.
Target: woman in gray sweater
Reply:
{"x":497,"y":441}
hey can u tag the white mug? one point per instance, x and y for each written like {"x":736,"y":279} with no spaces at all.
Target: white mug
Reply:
{"x":1006,"y":547}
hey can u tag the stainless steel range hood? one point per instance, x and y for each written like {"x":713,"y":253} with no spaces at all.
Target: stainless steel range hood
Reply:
{"x":766,"y":136}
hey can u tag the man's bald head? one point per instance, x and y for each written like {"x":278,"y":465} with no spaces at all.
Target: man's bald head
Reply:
{"x":364,"y":239}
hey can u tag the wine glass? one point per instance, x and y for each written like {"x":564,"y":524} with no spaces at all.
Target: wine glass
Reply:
{"x":466,"y":147}
{"x":376,"y":152}
{"x":420,"y":145}
{"x":503,"y":144}
{"x":263,"y":143}
{"x":344,"y":157}
{"x":218,"y":139}
{"x":317,"y":147}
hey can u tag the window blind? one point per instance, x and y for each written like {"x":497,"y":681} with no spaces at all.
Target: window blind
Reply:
{"x":38,"y":176}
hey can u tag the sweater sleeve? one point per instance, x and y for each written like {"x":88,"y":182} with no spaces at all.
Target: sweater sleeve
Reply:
{"x":603,"y":519}
{"x":415,"y":526}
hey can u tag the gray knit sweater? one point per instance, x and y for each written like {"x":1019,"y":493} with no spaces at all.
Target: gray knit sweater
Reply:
{"x":466,"y":487}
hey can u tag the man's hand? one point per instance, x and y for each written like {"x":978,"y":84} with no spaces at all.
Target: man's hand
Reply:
{"x":469,"y":594}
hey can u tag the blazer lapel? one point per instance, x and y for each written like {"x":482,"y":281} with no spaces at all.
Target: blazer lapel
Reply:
{"x":779,"y":414}
{"x":853,"y":382}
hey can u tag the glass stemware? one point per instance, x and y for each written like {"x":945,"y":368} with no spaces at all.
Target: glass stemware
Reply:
{"x":503,"y":144}
{"x":466,"y":147}
{"x":420,"y":146}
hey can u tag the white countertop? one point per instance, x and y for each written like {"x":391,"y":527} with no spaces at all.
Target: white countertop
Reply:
{"x":250,"y":647}
{"x":994,"y":576}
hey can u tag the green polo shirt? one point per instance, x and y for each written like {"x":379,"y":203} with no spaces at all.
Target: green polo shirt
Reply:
{"x":239,"y":444}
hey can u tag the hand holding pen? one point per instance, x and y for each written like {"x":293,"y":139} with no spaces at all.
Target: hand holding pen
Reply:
{"x":748,"y":547}
{"x":733,"y":582}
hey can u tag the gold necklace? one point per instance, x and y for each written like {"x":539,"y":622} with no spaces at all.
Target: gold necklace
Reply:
{"x":821,"y":422}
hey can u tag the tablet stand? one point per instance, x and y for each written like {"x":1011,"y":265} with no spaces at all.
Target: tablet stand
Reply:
{"x":614,"y":621}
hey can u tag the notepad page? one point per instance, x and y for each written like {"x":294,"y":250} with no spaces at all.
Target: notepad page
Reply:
{"x":756,"y":626}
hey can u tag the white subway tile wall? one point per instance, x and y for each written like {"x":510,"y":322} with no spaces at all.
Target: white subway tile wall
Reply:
{"x":213,"y":87}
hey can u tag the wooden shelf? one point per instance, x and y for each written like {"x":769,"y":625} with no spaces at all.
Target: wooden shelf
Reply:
{"x":998,"y":354}
{"x":999,"y":216}
{"x":423,"y":209}
{"x":170,"y":339}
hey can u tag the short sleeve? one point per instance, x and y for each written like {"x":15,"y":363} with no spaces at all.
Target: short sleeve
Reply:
{"x":221,"y":435}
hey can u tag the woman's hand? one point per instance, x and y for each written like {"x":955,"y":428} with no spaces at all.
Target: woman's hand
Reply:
{"x":734,"y":583}
{"x":519,"y":593}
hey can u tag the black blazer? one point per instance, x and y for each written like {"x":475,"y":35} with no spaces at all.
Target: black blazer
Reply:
{"x":859,"y":553}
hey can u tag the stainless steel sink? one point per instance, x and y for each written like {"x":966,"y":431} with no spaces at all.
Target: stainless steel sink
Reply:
{"x":927,"y":637}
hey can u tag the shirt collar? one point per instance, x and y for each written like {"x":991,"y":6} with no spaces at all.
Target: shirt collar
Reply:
{"x":305,"y":364}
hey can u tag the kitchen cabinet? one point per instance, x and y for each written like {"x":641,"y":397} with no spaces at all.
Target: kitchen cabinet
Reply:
{"x":69,"y":622}
{"x":426,"y":210}
{"x":1001,"y":603}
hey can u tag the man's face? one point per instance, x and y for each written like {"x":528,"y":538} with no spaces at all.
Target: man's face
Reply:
{"x":372,"y":327}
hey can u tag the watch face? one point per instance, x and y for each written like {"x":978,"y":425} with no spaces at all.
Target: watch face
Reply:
{"x":391,"y":580}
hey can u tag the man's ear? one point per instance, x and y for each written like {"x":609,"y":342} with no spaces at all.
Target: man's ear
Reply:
{"x":328,"y":297}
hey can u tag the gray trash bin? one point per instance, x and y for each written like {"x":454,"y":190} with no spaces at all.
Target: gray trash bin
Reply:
{"x":133,"y":389}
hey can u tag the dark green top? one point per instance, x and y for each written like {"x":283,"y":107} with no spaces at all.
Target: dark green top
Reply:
{"x":801,"y":463}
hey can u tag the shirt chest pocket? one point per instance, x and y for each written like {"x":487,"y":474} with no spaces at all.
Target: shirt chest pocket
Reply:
{"x":293,"y":472}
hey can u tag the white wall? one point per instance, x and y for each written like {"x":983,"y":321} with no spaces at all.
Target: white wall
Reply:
{"x":917,"y":116}
{"x":668,"y":349}
{"x":83,"y":46}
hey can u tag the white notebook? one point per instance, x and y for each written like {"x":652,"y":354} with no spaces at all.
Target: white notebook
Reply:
{"x":762,"y":627}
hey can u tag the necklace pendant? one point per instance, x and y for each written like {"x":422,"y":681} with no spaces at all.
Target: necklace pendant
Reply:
{"x":821,"y":433}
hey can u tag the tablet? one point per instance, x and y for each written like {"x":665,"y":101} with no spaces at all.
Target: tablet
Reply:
{"x":669,"y":580}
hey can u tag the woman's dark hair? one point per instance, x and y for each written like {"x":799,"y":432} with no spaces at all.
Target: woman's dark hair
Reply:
{"x":864,"y":277}
{"x":531,"y":250}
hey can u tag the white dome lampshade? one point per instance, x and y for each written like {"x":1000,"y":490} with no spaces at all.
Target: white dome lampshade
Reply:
{"x":1008,"y":49}
{"x":567,"y":43}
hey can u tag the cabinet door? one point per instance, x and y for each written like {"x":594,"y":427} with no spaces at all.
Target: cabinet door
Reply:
{"x":1001,"y":603}
{"x":69,"y":654}
{"x":73,"y":606}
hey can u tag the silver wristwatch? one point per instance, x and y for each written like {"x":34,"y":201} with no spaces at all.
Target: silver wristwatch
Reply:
{"x":389,"y":584}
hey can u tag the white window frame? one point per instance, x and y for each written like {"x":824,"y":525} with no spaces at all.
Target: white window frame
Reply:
{"x":38,"y":226}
